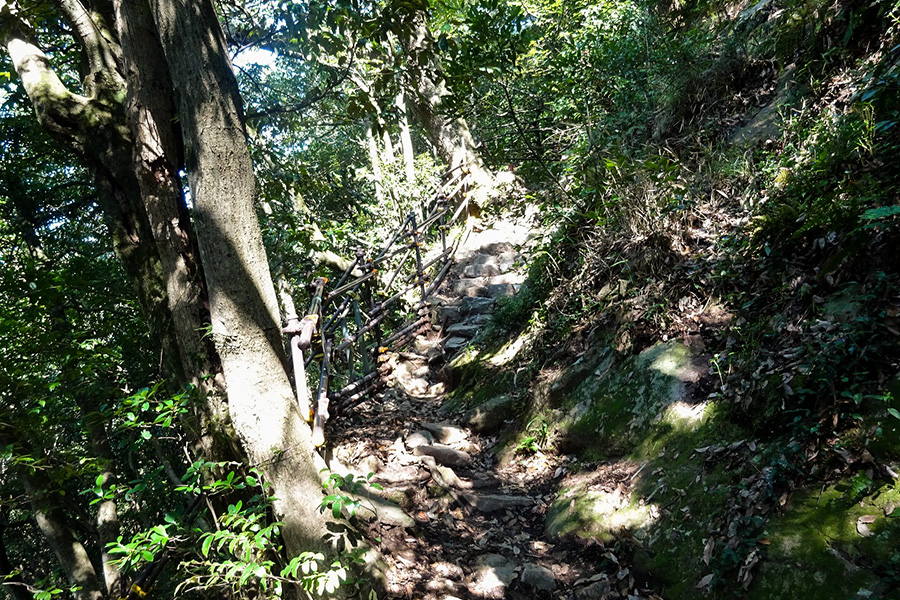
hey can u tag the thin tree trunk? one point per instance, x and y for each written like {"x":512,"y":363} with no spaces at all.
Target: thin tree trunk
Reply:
{"x":409,"y":156}
{"x":428,"y":88}
{"x":72,"y":557}
{"x":375,"y":160}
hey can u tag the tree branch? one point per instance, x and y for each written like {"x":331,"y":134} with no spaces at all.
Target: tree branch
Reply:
{"x":103,"y":55}
{"x":59,"y":110}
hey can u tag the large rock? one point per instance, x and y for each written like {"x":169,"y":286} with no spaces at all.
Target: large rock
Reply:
{"x":488,"y":503}
{"x":419,"y":438}
{"x":491,"y":415}
{"x":497,"y":290}
{"x":598,"y":590}
{"x":485,"y":270}
{"x":446,"y":433}
{"x":455,"y":343}
{"x":465,"y":329}
{"x":476,"y":306}
{"x":586,"y":512}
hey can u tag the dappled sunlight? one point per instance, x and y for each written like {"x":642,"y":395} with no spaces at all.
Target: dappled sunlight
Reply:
{"x":684,"y":413}
{"x":511,"y":349}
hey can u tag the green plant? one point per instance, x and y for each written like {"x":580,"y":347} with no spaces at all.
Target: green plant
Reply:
{"x":537,"y":434}
{"x":339,"y":502}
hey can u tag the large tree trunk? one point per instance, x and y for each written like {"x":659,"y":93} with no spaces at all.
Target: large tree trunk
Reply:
{"x":125,"y":129}
{"x":243,"y":306}
{"x":156,"y":159}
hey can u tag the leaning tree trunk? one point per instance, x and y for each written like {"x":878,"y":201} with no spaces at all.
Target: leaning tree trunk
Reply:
{"x":428,"y":93}
{"x":243,"y":305}
{"x":71,"y":554}
{"x":124,"y":128}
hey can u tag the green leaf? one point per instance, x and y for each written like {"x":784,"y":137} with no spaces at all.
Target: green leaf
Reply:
{"x":894,"y":413}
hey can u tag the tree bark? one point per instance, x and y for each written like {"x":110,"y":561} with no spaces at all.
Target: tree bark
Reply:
{"x":428,"y":92}
{"x":243,"y":306}
{"x":409,"y":156}
{"x":72,"y":556}
{"x":156,"y":159}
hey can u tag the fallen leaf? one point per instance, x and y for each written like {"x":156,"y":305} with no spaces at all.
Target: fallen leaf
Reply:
{"x":708,"y":550}
{"x":862,"y":525}
{"x":705,"y":581}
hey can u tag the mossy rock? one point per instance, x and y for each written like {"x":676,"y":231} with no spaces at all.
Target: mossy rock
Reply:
{"x":587,"y":513}
{"x":825,"y":547}
{"x":615,"y":405}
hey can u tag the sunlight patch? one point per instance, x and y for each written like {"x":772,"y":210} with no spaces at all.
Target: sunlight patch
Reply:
{"x":684,"y":412}
{"x":509,"y":350}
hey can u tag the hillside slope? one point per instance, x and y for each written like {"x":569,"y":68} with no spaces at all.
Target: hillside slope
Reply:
{"x":709,"y":343}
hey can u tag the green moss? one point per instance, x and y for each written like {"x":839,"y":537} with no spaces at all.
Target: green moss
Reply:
{"x":618,"y":406}
{"x":817,"y":545}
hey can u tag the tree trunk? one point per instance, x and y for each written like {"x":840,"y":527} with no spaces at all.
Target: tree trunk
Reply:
{"x":72,"y":556}
{"x":94,"y":126}
{"x":409,"y":156}
{"x":156,"y":158}
{"x":372,"y":145}
{"x":245,"y":320}
{"x":428,"y":89}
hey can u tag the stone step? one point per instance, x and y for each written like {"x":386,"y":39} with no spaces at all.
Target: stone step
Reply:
{"x":482,"y":270}
{"x":464,"y":329}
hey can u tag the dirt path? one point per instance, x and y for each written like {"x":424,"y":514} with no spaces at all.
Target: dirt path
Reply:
{"x":469,"y":527}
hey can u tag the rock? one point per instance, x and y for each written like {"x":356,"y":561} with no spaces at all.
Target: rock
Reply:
{"x":488,"y":503}
{"x":513,"y":278}
{"x":449,"y":477}
{"x":493,"y":573}
{"x":444,"y":455}
{"x":414,"y":386}
{"x":384,"y":511}
{"x":425,"y":346}
{"x":441,"y":584}
{"x":498,"y":290}
{"x":538,"y":577}
{"x":485,"y":270}
{"x":586,"y":512}
{"x":369,"y":464}
{"x":596,"y":591}
{"x":469,"y":290}
{"x":447,"y":570}
{"x":476,"y":306}
{"x":507,"y":260}
{"x":490,"y":415}
{"x":419,"y":438}
{"x":435,"y":355}
{"x":446,"y":433}
{"x":455,"y":343}
{"x":464,"y":329}
{"x":451,"y":314}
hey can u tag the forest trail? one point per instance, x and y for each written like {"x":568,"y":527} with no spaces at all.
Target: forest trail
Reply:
{"x":471,"y":525}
